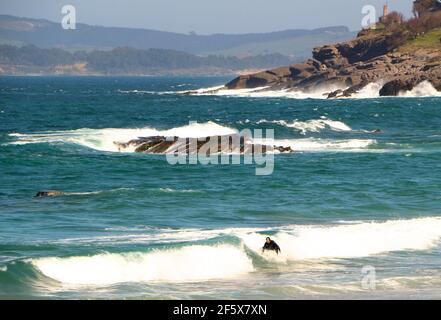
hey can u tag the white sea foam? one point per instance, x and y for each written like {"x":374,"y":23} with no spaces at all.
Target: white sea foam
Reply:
{"x":352,"y":240}
{"x":261,"y":92}
{"x":146,"y":235}
{"x":424,"y":89}
{"x":3,"y":269}
{"x":170,"y":190}
{"x":205,"y":91}
{"x":146,"y":92}
{"x":204,"y":262}
{"x":326,"y":145}
{"x":314,"y":125}
{"x":104,"y":139}
{"x":95,"y":192}
{"x":372,"y":90}
{"x":192,"y":263}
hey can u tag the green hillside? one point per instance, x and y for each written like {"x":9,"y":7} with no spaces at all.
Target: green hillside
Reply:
{"x":300,"y":46}
{"x":430,"y":40}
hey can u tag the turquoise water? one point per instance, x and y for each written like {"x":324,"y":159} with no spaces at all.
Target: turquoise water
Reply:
{"x":133,"y":226}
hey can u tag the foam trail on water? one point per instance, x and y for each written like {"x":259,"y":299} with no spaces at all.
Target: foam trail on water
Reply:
{"x":325,"y":145}
{"x":371,"y":90}
{"x":103,"y":139}
{"x":192,"y":263}
{"x":354,"y":240}
{"x":204,"y":91}
{"x":146,"y":92}
{"x":262,"y":92}
{"x":170,"y":190}
{"x":314,"y":125}
{"x":87,"y":193}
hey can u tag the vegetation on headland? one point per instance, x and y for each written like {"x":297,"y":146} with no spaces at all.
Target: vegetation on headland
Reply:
{"x":397,"y":53}
{"x":428,"y":40}
{"x":419,"y":31}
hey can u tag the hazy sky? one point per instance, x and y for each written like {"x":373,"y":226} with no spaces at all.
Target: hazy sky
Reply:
{"x":206,"y":16}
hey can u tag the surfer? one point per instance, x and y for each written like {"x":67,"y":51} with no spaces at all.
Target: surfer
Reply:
{"x":271,"y":245}
{"x":44,"y":194}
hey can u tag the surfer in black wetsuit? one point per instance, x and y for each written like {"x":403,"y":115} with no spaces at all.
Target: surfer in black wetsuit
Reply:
{"x":271,"y":245}
{"x":44,"y":194}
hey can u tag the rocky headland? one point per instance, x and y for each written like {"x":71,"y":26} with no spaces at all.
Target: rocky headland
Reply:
{"x":396,"y":54}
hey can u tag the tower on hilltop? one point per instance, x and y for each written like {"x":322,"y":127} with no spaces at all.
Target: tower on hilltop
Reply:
{"x":385,"y":10}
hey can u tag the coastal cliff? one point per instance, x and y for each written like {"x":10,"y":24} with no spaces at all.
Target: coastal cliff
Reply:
{"x":396,"y":54}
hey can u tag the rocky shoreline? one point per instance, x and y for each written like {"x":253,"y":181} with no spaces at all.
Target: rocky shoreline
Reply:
{"x":343,"y":69}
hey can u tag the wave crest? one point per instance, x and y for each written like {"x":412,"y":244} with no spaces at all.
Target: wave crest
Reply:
{"x":424,"y":89}
{"x":192,"y":263}
{"x":314,"y":125}
{"x":371,"y":90}
{"x":221,"y":261}
{"x":353,"y":240}
{"x":107,"y":139}
{"x":104,"y":139}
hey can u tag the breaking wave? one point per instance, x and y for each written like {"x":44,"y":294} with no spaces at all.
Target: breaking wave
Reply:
{"x":315,"y":125}
{"x":223,"y":260}
{"x":192,"y":263}
{"x":261,"y":92}
{"x":353,"y":240}
{"x":142,"y":92}
{"x":104,"y":139}
{"x":372,"y":90}
{"x":424,"y":89}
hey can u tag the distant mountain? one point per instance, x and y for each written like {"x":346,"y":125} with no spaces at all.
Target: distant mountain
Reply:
{"x":47,"y":34}
{"x":29,"y":59}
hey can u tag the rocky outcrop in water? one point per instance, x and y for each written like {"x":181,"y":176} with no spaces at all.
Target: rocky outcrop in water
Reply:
{"x":216,"y":144}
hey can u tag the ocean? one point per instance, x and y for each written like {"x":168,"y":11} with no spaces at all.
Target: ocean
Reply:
{"x":356,"y":208}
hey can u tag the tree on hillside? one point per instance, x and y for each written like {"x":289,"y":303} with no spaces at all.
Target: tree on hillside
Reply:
{"x":415,"y":27}
{"x":425,"y":23}
{"x":432,"y":20}
{"x":420,"y":7}
{"x":393,"y":18}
